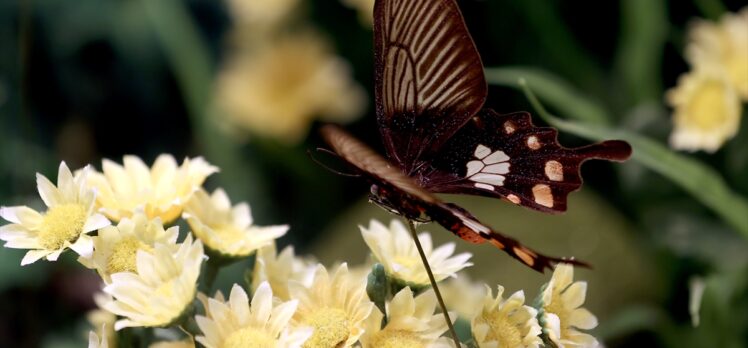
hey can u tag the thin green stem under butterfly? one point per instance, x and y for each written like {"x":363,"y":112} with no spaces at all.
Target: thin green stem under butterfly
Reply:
{"x":433,"y":282}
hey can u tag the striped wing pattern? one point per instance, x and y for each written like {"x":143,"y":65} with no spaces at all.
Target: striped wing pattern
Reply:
{"x":429,"y":76}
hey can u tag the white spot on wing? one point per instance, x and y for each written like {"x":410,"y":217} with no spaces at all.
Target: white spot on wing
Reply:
{"x":501,"y":168}
{"x":509,"y":127}
{"x":483,"y":186}
{"x":488,"y":171}
{"x":474,"y":167}
{"x":496,"y":157}
{"x":481,"y":151}
{"x":491,"y":179}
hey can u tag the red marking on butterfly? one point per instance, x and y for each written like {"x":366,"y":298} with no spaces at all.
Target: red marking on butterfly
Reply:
{"x":430,"y":90}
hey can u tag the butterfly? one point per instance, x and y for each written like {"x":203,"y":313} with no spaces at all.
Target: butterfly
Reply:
{"x":429,"y":92}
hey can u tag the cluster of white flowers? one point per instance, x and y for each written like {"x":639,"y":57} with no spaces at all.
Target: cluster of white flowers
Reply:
{"x":707,"y":100}
{"x":115,"y":222}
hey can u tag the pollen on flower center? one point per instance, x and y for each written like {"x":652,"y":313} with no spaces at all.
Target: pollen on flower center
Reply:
{"x":330,"y":328}
{"x":124,"y":255}
{"x":502,"y":330}
{"x":62,"y":223}
{"x":248,"y":337}
{"x":397,"y":339}
{"x":707,"y":108}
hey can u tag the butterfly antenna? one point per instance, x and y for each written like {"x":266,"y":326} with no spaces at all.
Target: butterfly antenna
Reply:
{"x":330,"y":169}
{"x":433,"y":282}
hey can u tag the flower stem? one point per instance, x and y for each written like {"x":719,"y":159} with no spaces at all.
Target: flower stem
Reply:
{"x":433,"y":282}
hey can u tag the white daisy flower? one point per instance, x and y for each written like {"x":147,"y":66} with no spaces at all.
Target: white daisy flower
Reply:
{"x":70,"y":216}
{"x":279,"y":269}
{"x":335,"y":307}
{"x":394,"y":248}
{"x":162,"y":289}
{"x":411,"y":323}
{"x":226,"y":230}
{"x":116,"y":248}
{"x":159,"y":191}
{"x":237,"y":323}
{"x":562,"y":314}
{"x":706,"y":113}
{"x":506,"y":323}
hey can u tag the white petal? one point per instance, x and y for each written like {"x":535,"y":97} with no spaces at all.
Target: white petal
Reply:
{"x":83,"y":246}
{"x":33,"y":256}
{"x":95,"y":222}
{"x":48,"y":191}
{"x":583,"y":319}
{"x":262,"y":302}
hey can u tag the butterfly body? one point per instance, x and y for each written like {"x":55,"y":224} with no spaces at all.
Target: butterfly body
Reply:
{"x":430,"y":90}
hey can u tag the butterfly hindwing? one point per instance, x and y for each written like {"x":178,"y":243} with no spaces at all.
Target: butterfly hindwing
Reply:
{"x":404,"y":196}
{"x":429,"y":76}
{"x":507,"y":156}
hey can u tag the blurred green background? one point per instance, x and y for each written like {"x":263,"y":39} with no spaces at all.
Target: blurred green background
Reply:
{"x":92,"y":79}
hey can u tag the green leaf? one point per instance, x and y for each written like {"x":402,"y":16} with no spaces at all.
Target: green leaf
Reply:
{"x":644,"y":32}
{"x":698,"y":179}
{"x":553,"y":89}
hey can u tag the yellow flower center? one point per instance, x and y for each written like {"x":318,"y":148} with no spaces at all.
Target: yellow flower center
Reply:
{"x":62,"y":223}
{"x":331,"y":327}
{"x":397,"y":339}
{"x":502,"y":330}
{"x":248,"y":337}
{"x":707,"y":109}
{"x":124,"y":255}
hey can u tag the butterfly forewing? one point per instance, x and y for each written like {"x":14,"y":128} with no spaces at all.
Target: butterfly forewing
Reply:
{"x":506,"y":156}
{"x":429,"y":76}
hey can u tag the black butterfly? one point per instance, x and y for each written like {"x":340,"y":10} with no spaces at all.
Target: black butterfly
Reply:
{"x":430,"y":91}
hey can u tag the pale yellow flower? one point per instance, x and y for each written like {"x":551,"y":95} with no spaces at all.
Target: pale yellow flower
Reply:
{"x":95,"y":342}
{"x":365,"y":10}
{"x":70,"y":216}
{"x":162,"y":289}
{"x":395,"y":249}
{"x":277,"y":89}
{"x":227,"y":230}
{"x":173,"y":344}
{"x":706,"y":111}
{"x":411,"y":323}
{"x":462,"y":295}
{"x":722,"y":46}
{"x":235,"y":323}
{"x":562,"y":312}
{"x":116,"y":248}
{"x":279,"y":269}
{"x":159,"y":191}
{"x":259,"y":14}
{"x":335,"y":307}
{"x":103,"y":320}
{"x":506,"y":323}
